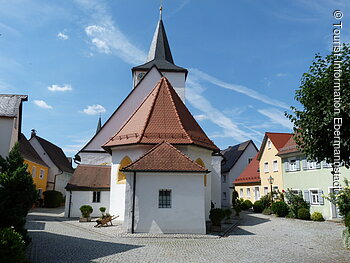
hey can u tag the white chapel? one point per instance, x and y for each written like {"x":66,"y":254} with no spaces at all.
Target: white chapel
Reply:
{"x":150,"y":163}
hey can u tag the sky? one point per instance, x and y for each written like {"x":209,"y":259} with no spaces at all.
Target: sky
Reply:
{"x":73,"y":59}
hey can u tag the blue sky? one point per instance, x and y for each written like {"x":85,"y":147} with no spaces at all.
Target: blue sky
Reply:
{"x":245,"y":60}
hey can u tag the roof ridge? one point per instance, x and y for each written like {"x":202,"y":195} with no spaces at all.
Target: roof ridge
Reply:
{"x":146,"y":153}
{"x":159,"y":86}
{"x":172,"y":147}
{"x":133,"y":114}
{"x":176,"y":110}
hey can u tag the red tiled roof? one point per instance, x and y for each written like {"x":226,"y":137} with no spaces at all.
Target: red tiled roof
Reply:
{"x":165,"y":158}
{"x":87,"y":177}
{"x":162,"y":116}
{"x":290,"y":147}
{"x":250,"y":174}
{"x":277,"y":139}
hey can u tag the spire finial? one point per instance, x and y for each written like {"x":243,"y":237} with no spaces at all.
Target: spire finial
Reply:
{"x":161,"y":10}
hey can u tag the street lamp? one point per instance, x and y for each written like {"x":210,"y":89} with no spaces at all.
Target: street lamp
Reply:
{"x":270,"y":179}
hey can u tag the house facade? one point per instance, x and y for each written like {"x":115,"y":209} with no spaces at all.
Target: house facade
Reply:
{"x":60,"y":168}
{"x":248,"y":183}
{"x":270,"y":164}
{"x":313,"y":180}
{"x":236,"y":159}
{"x":36,"y":166}
{"x":10,"y":121}
{"x":160,"y":159}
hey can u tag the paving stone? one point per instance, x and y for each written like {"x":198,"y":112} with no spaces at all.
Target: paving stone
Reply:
{"x":257,"y":238}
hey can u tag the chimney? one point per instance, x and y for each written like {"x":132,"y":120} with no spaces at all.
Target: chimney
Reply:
{"x":33,"y":134}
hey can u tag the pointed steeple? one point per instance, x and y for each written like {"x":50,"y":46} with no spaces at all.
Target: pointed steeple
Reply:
{"x":99,"y":125}
{"x":160,"y":49}
{"x":159,"y":53}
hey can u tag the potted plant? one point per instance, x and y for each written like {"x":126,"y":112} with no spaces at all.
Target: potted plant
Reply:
{"x":228,"y":213}
{"x":86,"y":211}
{"x":216,"y":216}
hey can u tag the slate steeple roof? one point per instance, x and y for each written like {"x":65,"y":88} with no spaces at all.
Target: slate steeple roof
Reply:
{"x":99,"y":125}
{"x":160,"y":53}
{"x":162,"y":116}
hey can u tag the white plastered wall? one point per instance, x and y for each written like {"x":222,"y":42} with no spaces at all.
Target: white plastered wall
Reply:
{"x":187,"y":213}
{"x":117,"y":196}
{"x":7,"y":130}
{"x":235,"y":171}
{"x":97,"y":158}
{"x":80,"y":198}
{"x":177,"y":80}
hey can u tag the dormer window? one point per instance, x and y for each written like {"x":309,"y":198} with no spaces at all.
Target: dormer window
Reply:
{"x":140,"y":76}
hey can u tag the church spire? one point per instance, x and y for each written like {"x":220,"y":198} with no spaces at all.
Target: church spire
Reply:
{"x":99,"y":124}
{"x":160,"y":48}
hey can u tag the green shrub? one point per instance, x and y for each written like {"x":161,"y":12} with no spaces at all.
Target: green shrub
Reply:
{"x":265,"y":201}
{"x":346,"y":237}
{"x":347,"y":220}
{"x":295,"y":202}
{"x":86,"y":210}
{"x":258,"y":206}
{"x":280,"y":208}
{"x":12,"y":246}
{"x":216,"y":216}
{"x":228,"y":213}
{"x":102,"y":209}
{"x":290,"y":215}
{"x":317,"y":216}
{"x":267,"y":211}
{"x":248,"y":204}
{"x":342,"y":199}
{"x":303,"y":213}
{"x":52,"y":198}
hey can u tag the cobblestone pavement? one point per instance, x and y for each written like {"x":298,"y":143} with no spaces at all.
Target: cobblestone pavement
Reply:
{"x":257,"y":238}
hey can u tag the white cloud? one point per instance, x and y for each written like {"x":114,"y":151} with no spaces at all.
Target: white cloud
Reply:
{"x":230,"y":129}
{"x":238,"y":88}
{"x":62,"y":36}
{"x":101,"y":46}
{"x":65,"y":87}
{"x":42,"y":104}
{"x":105,"y":35}
{"x":276,"y":116}
{"x":280,"y":75}
{"x":94,"y":109}
{"x":200,"y":117}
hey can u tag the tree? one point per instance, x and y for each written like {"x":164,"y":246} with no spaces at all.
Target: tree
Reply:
{"x":325,"y":96}
{"x":17,"y":192}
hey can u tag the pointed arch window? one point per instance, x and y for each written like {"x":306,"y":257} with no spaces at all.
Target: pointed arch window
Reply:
{"x":201,"y":163}
{"x":121,"y":178}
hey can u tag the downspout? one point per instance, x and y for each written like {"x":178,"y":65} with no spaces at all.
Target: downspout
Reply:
{"x":133,"y":204}
{"x":54,"y":182}
{"x":70,"y":203}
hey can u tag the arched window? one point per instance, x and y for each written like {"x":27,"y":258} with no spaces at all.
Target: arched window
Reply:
{"x":201,"y":163}
{"x":121,"y":176}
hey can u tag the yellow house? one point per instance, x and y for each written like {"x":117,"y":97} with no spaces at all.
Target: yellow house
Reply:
{"x":270,"y":165}
{"x":36,"y":166}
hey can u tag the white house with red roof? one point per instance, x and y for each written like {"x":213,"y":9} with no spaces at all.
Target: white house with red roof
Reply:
{"x":165,"y":171}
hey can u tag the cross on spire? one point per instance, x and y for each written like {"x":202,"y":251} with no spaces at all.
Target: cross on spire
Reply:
{"x":161,"y":10}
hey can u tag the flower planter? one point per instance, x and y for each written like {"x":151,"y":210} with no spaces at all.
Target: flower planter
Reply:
{"x":85,"y":219}
{"x":215,"y":228}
